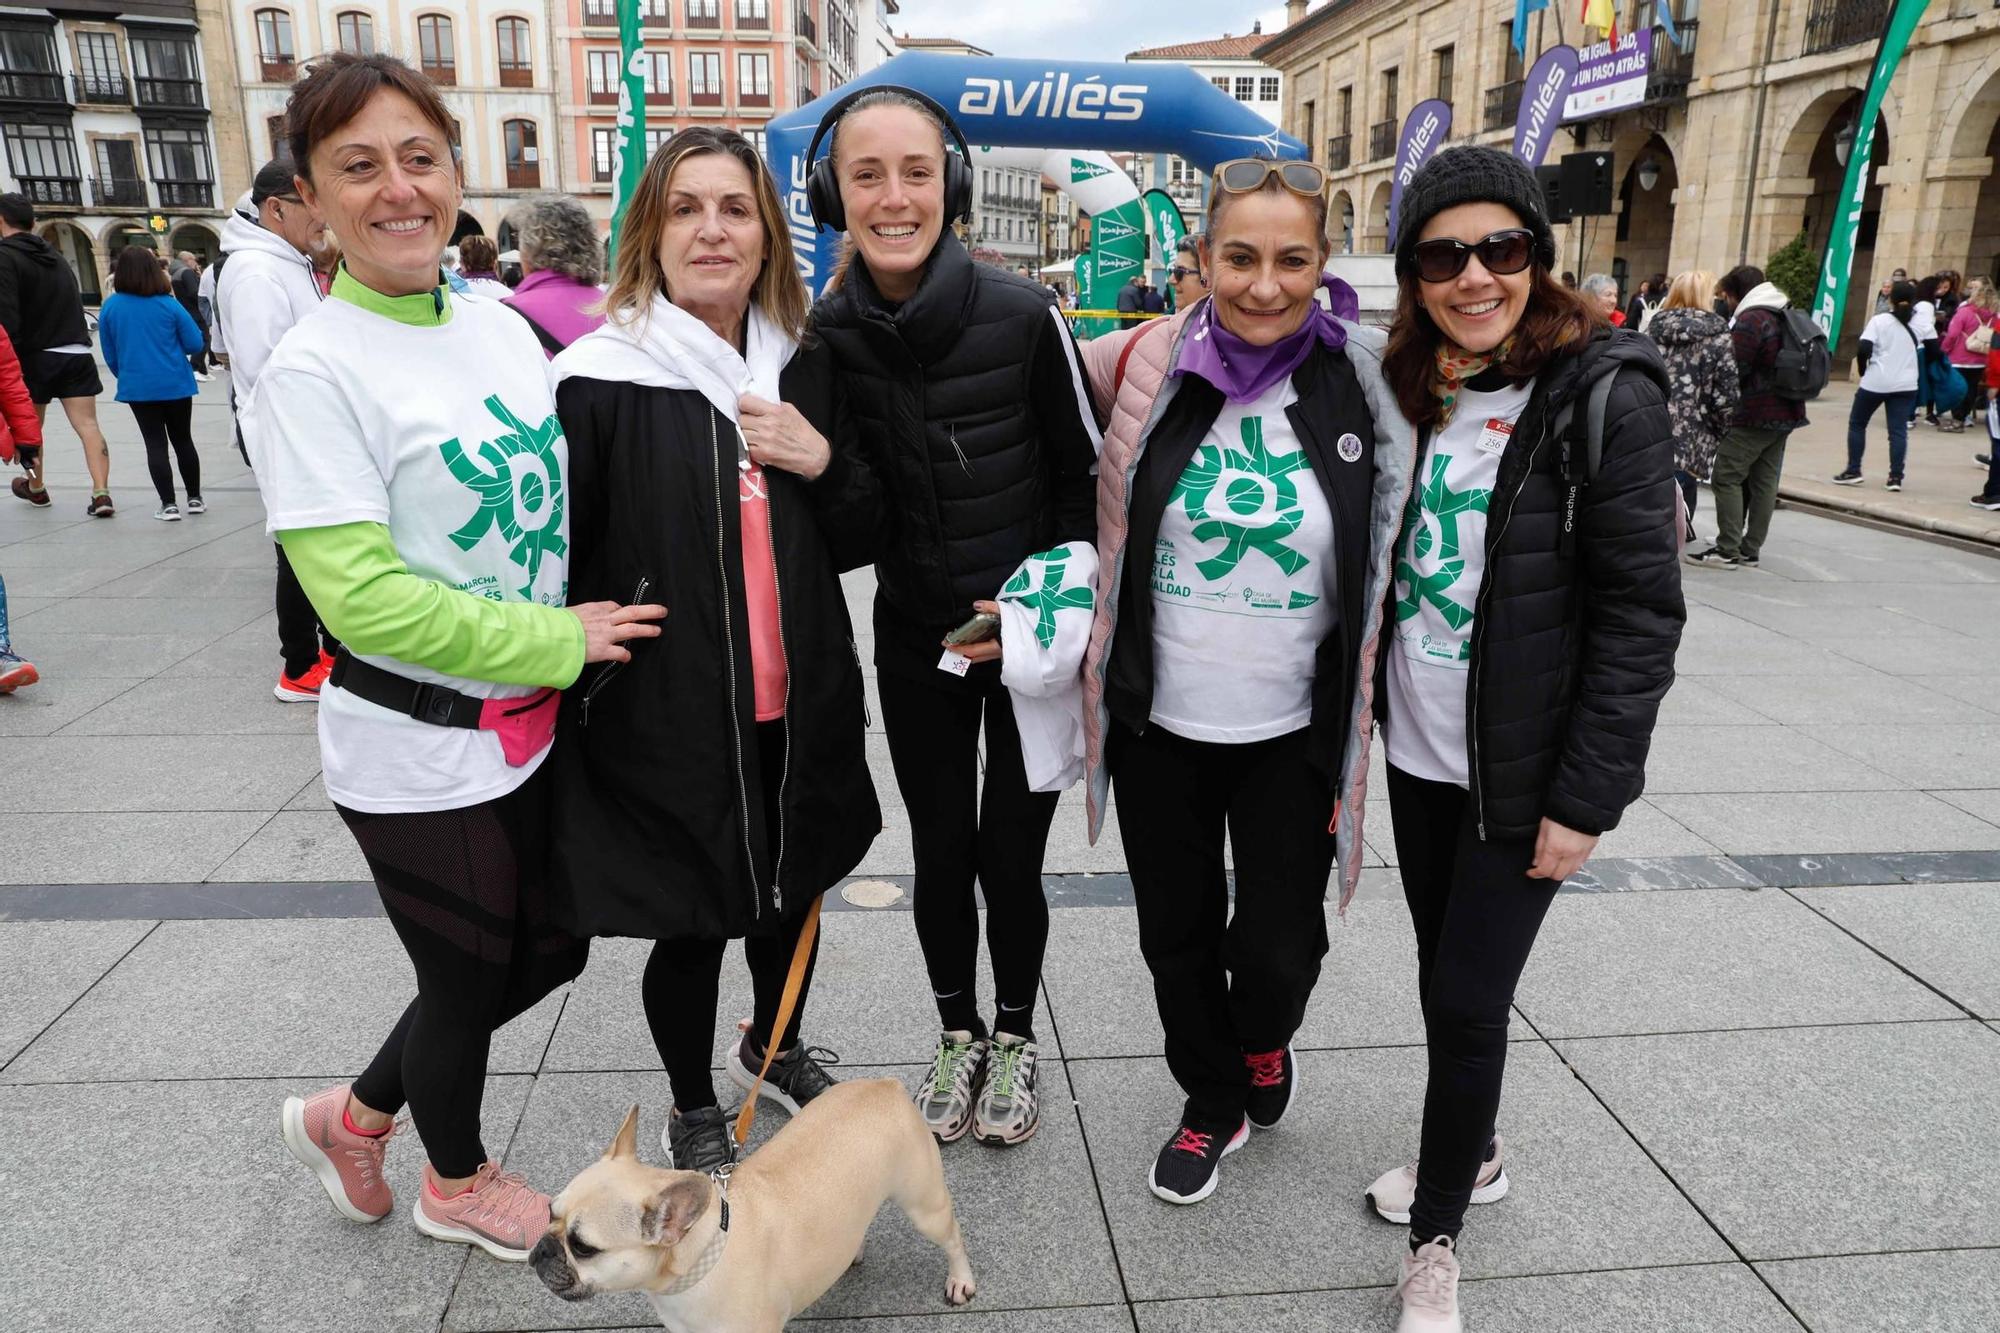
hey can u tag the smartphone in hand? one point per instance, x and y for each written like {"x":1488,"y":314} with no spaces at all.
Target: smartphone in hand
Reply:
{"x":976,"y":630}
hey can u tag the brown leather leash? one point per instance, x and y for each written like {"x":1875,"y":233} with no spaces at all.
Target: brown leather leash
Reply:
{"x":795,"y":981}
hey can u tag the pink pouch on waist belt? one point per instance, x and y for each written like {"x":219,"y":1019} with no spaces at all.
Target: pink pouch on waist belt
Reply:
{"x":525,"y":726}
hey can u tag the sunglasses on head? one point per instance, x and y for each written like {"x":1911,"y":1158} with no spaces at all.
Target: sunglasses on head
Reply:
{"x":1246,"y":175}
{"x":1443,"y":259}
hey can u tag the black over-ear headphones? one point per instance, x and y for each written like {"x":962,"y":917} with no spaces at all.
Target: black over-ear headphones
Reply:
{"x":823,"y":189}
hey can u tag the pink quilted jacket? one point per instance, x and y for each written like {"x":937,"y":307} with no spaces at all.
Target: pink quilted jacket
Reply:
{"x":1136,"y":399}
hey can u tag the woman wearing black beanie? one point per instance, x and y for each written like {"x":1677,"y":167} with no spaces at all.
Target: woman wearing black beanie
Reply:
{"x":1535,"y":610}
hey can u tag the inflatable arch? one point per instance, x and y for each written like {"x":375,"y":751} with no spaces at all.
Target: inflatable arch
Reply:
{"x":1091,"y":107}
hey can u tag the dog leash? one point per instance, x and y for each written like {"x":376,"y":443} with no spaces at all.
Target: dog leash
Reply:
{"x":795,"y":981}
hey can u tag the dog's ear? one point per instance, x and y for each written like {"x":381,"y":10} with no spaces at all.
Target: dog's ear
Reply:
{"x":670,"y":1213}
{"x":626,"y":1145}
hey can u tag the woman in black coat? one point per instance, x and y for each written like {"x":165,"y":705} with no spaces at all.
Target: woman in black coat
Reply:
{"x":1529,"y":640}
{"x":716,"y":784}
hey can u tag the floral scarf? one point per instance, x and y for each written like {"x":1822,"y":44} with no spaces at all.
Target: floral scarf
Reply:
{"x":1455,"y":366}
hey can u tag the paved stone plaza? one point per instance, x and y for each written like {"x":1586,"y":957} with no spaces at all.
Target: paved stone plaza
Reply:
{"x":1753,"y":1085}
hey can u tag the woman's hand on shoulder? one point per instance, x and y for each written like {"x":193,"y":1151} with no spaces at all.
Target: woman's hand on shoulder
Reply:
{"x":607,"y":626}
{"x":779,"y":436}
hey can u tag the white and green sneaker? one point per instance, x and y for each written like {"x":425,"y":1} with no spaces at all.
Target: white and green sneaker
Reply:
{"x":945,"y":1099}
{"x":1007,"y":1111}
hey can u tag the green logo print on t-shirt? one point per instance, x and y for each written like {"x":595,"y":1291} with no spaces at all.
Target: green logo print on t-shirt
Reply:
{"x":1050,"y":597}
{"x":1445,"y":505}
{"x":526,"y":506}
{"x":1256,"y":508}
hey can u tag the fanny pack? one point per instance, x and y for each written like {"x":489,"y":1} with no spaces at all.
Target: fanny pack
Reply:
{"x":525,"y":726}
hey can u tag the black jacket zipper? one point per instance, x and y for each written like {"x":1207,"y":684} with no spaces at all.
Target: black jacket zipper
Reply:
{"x":1479,"y":606}
{"x":729,"y":657}
{"x":611,"y":668}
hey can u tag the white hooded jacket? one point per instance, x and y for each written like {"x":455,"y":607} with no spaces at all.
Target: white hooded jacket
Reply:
{"x":266,"y":287}
{"x":1764,"y":296}
{"x":1046,"y":610}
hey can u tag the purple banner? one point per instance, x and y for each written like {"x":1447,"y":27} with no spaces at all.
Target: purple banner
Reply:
{"x":1423,"y":134}
{"x":1542,"y":96}
{"x":1610,"y":77}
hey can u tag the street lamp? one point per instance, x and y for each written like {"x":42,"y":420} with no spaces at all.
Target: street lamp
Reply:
{"x":1843,"y":143}
{"x":1649,"y":173}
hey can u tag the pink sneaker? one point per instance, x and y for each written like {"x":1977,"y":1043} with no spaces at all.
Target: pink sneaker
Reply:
{"x":499,"y":1213}
{"x":348,"y":1164}
{"x":1428,"y":1288}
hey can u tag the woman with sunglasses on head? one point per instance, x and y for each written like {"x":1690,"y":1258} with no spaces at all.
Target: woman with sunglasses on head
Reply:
{"x":716,"y":785}
{"x":960,"y":383}
{"x":1252,"y":473}
{"x":1536,"y":610}
{"x":411,"y":463}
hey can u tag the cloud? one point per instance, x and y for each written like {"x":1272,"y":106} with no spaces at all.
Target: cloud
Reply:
{"x":1082,"y":29}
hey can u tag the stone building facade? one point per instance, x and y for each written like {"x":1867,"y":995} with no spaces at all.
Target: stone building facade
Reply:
{"x":1739,"y":145}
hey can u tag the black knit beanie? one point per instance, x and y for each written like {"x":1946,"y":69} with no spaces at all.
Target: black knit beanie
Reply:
{"x":1467,"y":174}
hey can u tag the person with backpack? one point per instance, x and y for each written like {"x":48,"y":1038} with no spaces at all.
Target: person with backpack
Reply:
{"x":1973,"y":314}
{"x":1775,"y":368}
{"x":1701,"y":370}
{"x":1528,"y":640}
{"x":562,"y":262}
{"x":1890,"y":357}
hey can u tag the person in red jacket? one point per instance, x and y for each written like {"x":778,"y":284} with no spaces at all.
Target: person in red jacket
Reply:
{"x":18,"y":426}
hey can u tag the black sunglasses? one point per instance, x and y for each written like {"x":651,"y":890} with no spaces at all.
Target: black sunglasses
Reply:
{"x":1443,"y":259}
{"x":1177,"y":273}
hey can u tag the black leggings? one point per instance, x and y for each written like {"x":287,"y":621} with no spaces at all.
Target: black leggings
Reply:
{"x":1226,"y":985}
{"x":466,"y":892}
{"x":960,"y":834}
{"x":1476,"y":914}
{"x":301,"y":638}
{"x":161,"y":424}
{"x":682,"y":979}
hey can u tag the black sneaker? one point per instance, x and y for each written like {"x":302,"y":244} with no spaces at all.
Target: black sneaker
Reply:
{"x":1986,"y":501}
{"x":1746,"y":562}
{"x":1185,"y":1170}
{"x":1848,"y":478}
{"x":795,"y":1079}
{"x":1274,"y":1081}
{"x":1711,"y":557}
{"x":1984,"y":460}
{"x":1894,"y":484}
{"x":700,"y":1140}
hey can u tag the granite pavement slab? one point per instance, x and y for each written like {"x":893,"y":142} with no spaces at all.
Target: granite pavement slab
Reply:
{"x":1927,"y":754}
{"x":142,"y":847}
{"x":1290,"y":1201}
{"x":1837,"y":701}
{"x":1032,"y":1223}
{"x":232,"y":1237}
{"x":55,"y":702}
{"x":1816,"y":823}
{"x":1947,"y":934}
{"x":1610,"y":964}
{"x":308,"y":845}
{"x":298,"y":1001}
{"x":198,"y":706}
{"x":73,"y":656}
{"x":213,"y":773}
{"x":1948,"y":1291}
{"x":211,"y":616}
{"x":1817,"y":1141}
{"x":45,"y":966}
{"x":1753,"y":759}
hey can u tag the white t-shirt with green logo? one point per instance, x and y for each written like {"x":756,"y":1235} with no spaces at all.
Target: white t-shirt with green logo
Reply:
{"x":1241,"y":581}
{"x":446,"y":433}
{"x":1440,"y":561}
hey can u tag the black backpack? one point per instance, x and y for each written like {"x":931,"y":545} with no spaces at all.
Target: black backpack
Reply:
{"x":1804,"y":360}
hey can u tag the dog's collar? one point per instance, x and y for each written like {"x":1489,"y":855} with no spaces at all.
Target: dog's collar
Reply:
{"x":712,"y":1255}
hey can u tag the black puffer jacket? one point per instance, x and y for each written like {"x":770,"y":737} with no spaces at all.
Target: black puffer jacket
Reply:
{"x":968,"y":408}
{"x":660,"y":827}
{"x":39,"y":304}
{"x":1571,"y":655}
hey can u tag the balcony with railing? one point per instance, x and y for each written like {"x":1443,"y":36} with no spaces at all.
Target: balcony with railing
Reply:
{"x":808,"y":27}
{"x":277,"y":69}
{"x":1381,"y":139}
{"x":104,"y":89}
{"x":600,"y":13}
{"x":186,"y":194}
{"x":443,"y":74}
{"x":31,"y":86}
{"x":1339,"y":152}
{"x":174,"y":94}
{"x":1832,"y":24}
{"x":1503,"y":104}
{"x":1672,"y":66}
{"x":56,"y":191}
{"x":118,"y":192}
{"x":704,"y":17}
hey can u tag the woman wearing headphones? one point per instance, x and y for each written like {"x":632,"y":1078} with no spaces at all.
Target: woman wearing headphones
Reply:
{"x":958,"y":385}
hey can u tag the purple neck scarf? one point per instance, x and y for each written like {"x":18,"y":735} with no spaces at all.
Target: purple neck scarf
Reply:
{"x":1244,"y":371}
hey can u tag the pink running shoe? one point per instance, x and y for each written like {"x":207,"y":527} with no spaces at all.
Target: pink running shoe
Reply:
{"x":348,"y":1164}
{"x":499,"y":1213}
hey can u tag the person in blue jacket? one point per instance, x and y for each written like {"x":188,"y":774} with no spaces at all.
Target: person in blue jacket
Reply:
{"x":147,"y":337}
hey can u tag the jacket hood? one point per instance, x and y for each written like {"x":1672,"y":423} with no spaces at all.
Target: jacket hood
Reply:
{"x":1685,"y":324}
{"x":241,"y":235}
{"x":667,"y":348}
{"x":32,"y":248}
{"x":1764,"y":296}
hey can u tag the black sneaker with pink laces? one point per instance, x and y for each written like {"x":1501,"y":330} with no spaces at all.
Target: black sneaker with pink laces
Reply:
{"x":1274,"y":1081}
{"x":1186,"y":1169}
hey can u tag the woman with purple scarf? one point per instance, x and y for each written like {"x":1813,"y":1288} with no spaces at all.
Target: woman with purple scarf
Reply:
{"x":1248,"y":489}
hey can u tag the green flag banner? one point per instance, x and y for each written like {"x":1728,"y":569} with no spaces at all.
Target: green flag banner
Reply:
{"x":1830,"y":301}
{"x":1117,"y":253}
{"x":629,"y":148}
{"x":1168,"y":229}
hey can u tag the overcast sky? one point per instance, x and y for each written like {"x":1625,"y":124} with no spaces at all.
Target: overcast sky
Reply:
{"x":1082,"y":29}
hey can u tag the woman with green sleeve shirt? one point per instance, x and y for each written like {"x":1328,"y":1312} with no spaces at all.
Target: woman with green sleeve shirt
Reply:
{"x":412,"y":465}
